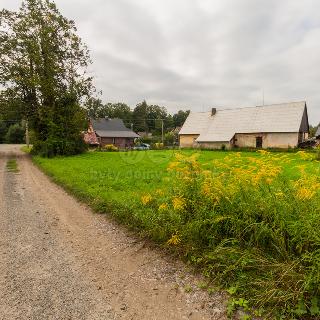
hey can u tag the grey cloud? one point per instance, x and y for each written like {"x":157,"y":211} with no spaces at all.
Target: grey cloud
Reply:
{"x":200,"y":53}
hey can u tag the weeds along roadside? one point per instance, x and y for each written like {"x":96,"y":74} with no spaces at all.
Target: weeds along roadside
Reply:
{"x":248,"y":227}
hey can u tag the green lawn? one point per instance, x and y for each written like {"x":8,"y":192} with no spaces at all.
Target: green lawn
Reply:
{"x":120,"y":176}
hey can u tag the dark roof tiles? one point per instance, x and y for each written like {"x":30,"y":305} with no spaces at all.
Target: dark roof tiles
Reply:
{"x":112,"y":128}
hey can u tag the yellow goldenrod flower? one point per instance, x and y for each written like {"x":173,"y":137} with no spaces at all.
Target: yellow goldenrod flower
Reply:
{"x":305,"y":194}
{"x":178,"y":203}
{"x":174,"y":240}
{"x":206,"y":189}
{"x":304,"y":155}
{"x":173,"y":165}
{"x":163,"y":206}
{"x":263,"y":152}
{"x":269,"y":180}
{"x":146,"y":199}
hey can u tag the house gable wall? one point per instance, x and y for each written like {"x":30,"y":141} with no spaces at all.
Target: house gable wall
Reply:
{"x":269,"y":140}
{"x":188,"y":140}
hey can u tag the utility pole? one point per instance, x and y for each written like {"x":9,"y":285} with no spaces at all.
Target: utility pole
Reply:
{"x":27,"y":134}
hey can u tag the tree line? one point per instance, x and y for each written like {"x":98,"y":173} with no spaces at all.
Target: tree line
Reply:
{"x":144,"y":117}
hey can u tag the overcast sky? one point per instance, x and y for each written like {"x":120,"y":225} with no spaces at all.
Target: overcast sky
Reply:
{"x":198,"y":54}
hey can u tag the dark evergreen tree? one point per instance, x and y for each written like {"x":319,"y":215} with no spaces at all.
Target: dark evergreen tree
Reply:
{"x":139,"y":117}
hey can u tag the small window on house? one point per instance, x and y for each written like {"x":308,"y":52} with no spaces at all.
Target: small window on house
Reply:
{"x":258,"y":142}
{"x":113,"y":140}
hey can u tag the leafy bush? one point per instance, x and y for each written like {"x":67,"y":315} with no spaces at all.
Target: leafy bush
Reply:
{"x":158,"y":145}
{"x":54,"y":147}
{"x":110,"y":147}
{"x":15,"y":134}
{"x":59,"y":133}
{"x":170,"y":138}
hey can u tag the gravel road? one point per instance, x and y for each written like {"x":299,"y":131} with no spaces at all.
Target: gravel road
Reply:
{"x":58,"y":260}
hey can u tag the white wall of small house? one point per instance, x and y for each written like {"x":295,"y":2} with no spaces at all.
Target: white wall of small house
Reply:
{"x":269,"y":140}
{"x":246,"y":140}
{"x":188,"y":140}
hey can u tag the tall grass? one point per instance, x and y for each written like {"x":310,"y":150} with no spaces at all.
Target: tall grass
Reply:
{"x":248,"y":226}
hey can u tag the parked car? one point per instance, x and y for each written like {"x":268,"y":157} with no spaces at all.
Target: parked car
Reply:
{"x":142,"y":146}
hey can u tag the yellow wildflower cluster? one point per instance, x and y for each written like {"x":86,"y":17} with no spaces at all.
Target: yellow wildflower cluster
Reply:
{"x":240,"y":170}
{"x":163,"y":207}
{"x":146,"y":199}
{"x":185,"y":166}
{"x":264,"y":152}
{"x":307,"y":186}
{"x":305,"y":194}
{"x":304,"y":155}
{"x":178,"y":203}
{"x":236,"y":173}
{"x":213,"y":189}
{"x":174,"y":240}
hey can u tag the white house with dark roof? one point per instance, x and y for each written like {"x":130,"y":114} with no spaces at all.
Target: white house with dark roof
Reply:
{"x":270,"y":126}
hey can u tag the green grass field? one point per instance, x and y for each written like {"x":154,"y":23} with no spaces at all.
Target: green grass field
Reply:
{"x":249,"y":221}
{"x":122,"y":176}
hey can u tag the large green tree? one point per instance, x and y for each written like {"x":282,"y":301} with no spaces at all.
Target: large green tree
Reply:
{"x":180,"y":117}
{"x":96,"y":109}
{"x":140,"y":116}
{"x":313,"y":130}
{"x":149,"y":118}
{"x":43,"y":64}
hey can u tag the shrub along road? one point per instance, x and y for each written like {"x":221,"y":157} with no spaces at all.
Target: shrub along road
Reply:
{"x":61,"y":261}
